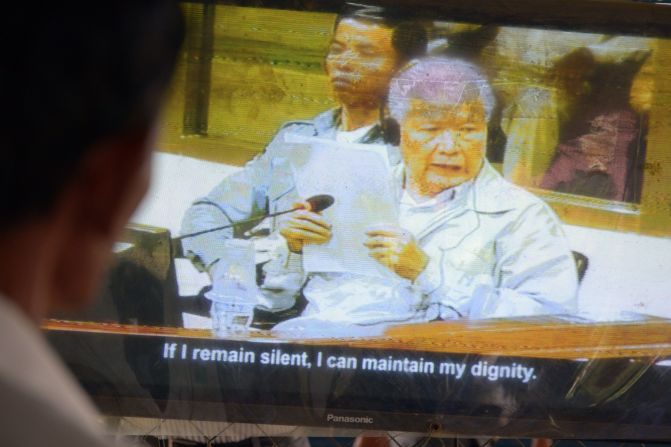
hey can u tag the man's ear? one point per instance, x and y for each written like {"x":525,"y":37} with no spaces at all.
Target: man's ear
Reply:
{"x":97,"y":203}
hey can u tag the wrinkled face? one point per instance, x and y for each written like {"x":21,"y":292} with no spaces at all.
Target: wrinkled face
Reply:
{"x":443,"y":145}
{"x":361,"y":62}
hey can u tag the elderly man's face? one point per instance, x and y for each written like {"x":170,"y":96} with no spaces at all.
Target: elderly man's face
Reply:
{"x":443,"y":146}
{"x":361,"y":62}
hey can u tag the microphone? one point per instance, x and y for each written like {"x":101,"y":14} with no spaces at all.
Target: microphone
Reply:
{"x":317,"y":203}
{"x":320,"y":202}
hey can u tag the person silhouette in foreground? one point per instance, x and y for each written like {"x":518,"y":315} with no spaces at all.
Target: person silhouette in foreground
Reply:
{"x":81,"y":89}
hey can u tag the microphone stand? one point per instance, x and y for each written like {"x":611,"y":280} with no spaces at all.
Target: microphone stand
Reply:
{"x":317,"y":203}
{"x":176,"y":242}
{"x":223,"y":227}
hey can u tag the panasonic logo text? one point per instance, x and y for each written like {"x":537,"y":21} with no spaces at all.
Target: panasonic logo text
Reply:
{"x":349,"y":419}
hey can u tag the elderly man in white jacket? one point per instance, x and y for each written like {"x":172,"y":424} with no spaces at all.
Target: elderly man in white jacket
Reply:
{"x":469,"y":244}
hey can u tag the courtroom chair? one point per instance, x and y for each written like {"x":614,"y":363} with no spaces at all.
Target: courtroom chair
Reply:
{"x":140,"y":287}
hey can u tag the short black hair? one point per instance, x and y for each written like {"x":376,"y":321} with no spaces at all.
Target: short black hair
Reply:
{"x":409,"y":37}
{"x":72,"y":75}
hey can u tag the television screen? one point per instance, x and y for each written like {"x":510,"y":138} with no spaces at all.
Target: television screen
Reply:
{"x":441,"y":219}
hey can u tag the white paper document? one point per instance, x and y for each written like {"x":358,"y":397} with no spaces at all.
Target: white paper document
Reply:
{"x":360,"y":180}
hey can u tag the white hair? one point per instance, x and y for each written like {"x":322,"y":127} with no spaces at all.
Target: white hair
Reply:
{"x":439,"y":81}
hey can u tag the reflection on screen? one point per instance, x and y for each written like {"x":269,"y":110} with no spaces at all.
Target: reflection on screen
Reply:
{"x":568,"y":120}
{"x":496,"y":213}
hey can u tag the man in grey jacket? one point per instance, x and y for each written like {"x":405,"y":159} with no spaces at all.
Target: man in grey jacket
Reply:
{"x":365,"y":53}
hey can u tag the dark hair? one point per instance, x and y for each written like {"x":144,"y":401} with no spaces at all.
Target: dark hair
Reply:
{"x":72,"y":75}
{"x":409,"y":37}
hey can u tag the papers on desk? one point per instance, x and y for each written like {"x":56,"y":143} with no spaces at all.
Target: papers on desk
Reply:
{"x":603,"y":316}
{"x":360,"y":179}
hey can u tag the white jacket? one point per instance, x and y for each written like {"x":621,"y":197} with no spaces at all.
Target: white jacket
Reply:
{"x":499,"y":251}
{"x":42,"y":404}
{"x":495,"y":251}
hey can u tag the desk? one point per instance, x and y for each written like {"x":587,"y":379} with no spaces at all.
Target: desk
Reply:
{"x":535,"y":338}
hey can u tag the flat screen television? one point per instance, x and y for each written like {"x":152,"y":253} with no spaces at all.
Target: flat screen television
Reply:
{"x":424,"y":216}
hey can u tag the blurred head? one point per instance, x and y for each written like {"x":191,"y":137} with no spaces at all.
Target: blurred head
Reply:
{"x":80,"y":88}
{"x":365,"y":53}
{"x":610,"y":133}
{"x":443,"y":107}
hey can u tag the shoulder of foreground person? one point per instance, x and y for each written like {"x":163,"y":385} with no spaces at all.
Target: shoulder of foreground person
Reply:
{"x":27,"y":419}
{"x":41,"y":402}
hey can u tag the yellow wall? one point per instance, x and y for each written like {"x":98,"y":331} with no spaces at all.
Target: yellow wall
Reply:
{"x":263,"y":74}
{"x":267,"y":67}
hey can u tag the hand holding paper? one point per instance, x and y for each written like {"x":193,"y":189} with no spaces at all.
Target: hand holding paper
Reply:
{"x":361,"y":183}
{"x":396,"y":249}
{"x":304,"y":227}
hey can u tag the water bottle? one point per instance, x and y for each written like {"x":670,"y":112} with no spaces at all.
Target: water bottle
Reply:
{"x":234,"y":291}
